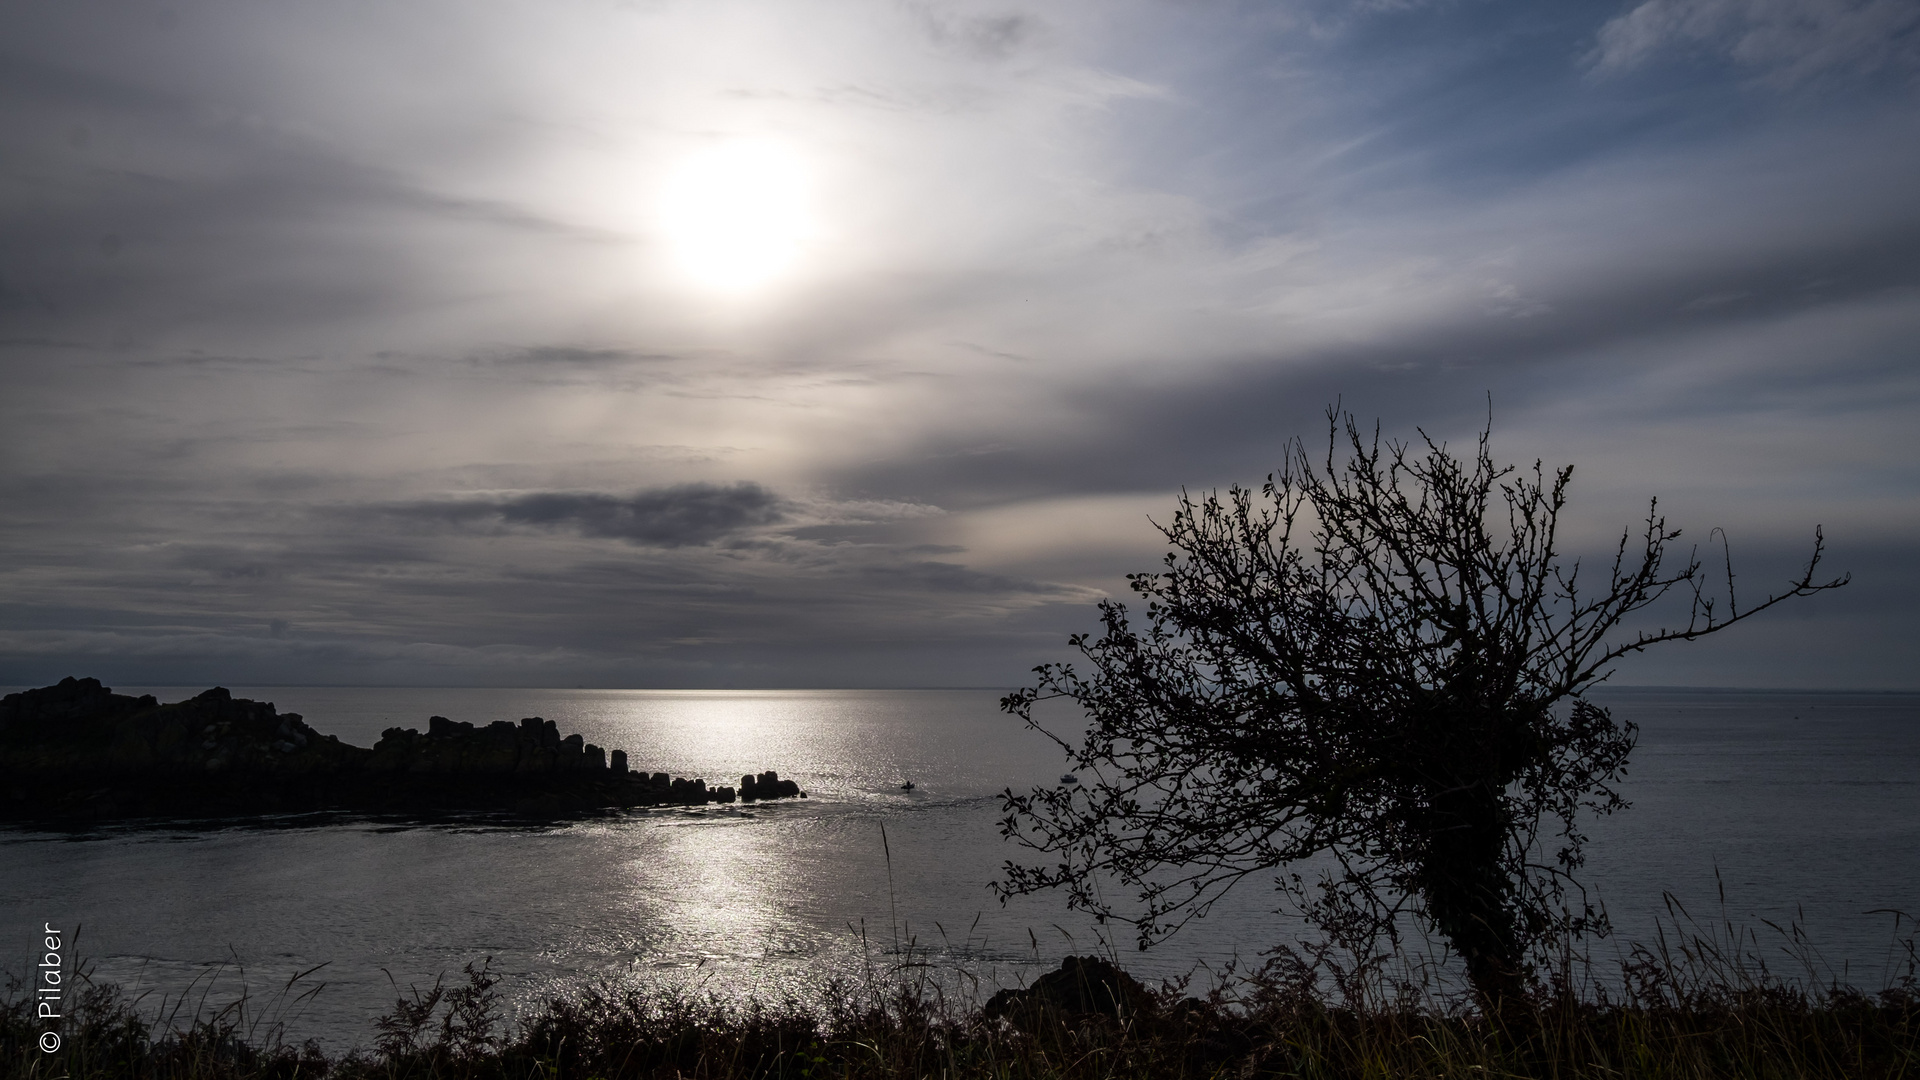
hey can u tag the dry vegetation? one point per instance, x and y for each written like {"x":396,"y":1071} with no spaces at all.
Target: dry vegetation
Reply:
{"x":1692,"y":1005}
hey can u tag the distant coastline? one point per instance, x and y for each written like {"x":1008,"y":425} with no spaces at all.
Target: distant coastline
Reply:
{"x":77,"y":751}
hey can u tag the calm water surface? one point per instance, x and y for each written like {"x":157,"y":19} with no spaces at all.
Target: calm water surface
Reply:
{"x":1803,"y":806}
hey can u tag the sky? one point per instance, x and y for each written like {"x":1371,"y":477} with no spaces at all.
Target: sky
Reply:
{"x":861,"y":342}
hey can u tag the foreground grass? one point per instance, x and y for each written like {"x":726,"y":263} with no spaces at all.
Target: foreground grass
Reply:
{"x":1699,"y":1009}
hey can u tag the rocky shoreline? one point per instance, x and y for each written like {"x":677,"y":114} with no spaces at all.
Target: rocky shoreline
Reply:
{"x":77,"y":751}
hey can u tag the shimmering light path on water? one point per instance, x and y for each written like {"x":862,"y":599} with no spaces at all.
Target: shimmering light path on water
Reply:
{"x":1796,"y":799}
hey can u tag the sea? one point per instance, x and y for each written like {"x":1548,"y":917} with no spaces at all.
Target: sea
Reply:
{"x":1788,"y":822}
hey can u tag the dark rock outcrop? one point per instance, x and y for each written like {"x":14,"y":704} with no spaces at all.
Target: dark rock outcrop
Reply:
{"x":1084,"y":986}
{"x":78,"y":751}
{"x":82,"y":728}
{"x":768,"y":785}
{"x":1087,"y":990}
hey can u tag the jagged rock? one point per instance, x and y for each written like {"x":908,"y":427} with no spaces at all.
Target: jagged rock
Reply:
{"x":77,"y":750}
{"x":80,"y":726}
{"x":1084,"y":986}
{"x":767,"y":785}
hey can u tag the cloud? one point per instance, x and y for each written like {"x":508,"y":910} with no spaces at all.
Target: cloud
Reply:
{"x":681,"y":515}
{"x":993,"y":36}
{"x":942,"y":577}
{"x":1790,"y":40}
{"x":388,"y":354}
{"x":575,"y":355}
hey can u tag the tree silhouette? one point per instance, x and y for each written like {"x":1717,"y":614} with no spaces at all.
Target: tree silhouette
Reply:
{"x":1379,"y":661}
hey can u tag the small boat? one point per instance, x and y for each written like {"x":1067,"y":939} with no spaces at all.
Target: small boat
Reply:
{"x":908,"y":786}
{"x":1069,"y":778}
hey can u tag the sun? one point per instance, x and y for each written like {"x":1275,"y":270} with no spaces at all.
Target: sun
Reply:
{"x":739,"y":216}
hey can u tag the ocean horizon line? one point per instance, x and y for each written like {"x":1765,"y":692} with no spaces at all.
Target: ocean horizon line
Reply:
{"x":1608,"y":688}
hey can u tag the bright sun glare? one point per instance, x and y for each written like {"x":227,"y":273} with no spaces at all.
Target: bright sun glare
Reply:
{"x":738,"y":217}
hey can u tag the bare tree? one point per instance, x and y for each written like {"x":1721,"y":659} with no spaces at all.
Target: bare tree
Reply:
{"x":1379,"y":661}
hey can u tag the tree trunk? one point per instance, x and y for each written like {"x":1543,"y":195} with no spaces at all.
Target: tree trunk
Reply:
{"x":1468,"y":893}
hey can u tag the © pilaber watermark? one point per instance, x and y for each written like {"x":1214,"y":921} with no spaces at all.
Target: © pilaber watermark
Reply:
{"x":49,"y":988}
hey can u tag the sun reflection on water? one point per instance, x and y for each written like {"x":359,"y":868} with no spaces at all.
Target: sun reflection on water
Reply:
{"x":772,"y":898}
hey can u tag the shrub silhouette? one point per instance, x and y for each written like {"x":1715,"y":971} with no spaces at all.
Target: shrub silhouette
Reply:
{"x":1379,"y":659}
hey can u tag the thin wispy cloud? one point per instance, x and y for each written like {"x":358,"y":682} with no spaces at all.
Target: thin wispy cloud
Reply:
{"x":1788,"y":41}
{"x":732,"y":342}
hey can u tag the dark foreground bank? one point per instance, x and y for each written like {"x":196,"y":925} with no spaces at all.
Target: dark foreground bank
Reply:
{"x":77,"y":751}
{"x":1683,"y":1014}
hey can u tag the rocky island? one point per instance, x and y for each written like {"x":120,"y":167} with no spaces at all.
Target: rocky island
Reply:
{"x":77,"y":751}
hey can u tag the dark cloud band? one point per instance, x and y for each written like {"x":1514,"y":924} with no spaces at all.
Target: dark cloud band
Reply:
{"x":682,"y":515}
